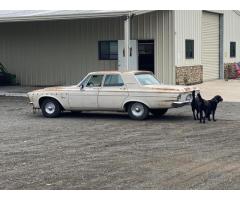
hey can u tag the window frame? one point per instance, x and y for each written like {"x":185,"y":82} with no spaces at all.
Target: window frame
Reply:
{"x":90,"y":76}
{"x":235,"y":48}
{"x":112,"y":85}
{"x":109,"y":53}
{"x":186,"y":50}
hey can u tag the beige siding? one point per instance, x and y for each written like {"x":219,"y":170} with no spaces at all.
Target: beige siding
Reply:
{"x":158,"y":26}
{"x":231,"y":34}
{"x":187,"y":26}
{"x":56,"y":52}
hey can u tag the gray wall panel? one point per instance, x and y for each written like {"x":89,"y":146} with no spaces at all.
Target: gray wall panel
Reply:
{"x":56,"y":52}
{"x":63,"y":52}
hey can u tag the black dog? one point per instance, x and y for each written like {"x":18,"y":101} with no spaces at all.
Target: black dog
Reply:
{"x":195,"y":106}
{"x":207,"y":107}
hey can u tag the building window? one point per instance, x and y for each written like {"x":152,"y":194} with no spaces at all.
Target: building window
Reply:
{"x":189,"y":48}
{"x":108,"y":50}
{"x":232,"y":49}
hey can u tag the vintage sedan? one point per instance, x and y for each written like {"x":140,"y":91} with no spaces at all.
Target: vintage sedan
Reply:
{"x":135,"y":92}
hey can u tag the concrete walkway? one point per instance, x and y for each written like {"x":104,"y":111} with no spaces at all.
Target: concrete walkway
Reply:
{"x":229,"y":90}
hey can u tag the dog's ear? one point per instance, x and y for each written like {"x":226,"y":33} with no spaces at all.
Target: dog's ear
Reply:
{"x":221,"y":99}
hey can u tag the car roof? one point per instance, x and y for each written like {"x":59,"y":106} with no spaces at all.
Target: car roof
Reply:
{"x":118,"y":72}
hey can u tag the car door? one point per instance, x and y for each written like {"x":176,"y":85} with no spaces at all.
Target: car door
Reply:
{"x":86,"y":96}
{"x":113,"y":93}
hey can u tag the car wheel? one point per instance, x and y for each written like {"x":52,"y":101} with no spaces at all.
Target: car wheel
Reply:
{"x":50,"y":108}
{"x":159,"y":112}
{"x":138,"y":111}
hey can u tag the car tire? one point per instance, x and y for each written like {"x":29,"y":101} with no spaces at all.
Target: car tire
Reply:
{"x":159,"y":112}
{"x":50,"y":108}
{"x":138,"y":111}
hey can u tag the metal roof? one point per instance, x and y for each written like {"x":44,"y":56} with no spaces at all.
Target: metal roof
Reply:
{"x":34,"y":15}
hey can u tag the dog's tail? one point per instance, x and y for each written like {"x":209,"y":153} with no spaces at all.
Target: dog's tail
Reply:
{"x":200,"y":97}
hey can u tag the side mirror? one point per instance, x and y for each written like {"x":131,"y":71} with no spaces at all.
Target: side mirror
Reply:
{"x":81,"y":87}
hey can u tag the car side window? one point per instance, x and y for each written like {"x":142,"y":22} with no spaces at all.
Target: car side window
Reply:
{"x":95,"y":81}
{"x":85,"y":80}
{"x":113,"y":80}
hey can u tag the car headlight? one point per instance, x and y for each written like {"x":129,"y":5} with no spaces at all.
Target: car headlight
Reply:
{"x":189,"y":97}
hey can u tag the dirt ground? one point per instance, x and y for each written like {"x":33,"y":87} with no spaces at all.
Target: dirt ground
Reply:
{"x":110,"y":151}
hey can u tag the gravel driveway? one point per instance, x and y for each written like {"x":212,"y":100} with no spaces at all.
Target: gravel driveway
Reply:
{"x":110,"y":151}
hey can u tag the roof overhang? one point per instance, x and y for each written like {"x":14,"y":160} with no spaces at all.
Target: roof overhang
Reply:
{"x":46,"y":15}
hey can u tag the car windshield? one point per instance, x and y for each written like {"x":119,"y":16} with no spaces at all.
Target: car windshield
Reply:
{"x":147,"y":79}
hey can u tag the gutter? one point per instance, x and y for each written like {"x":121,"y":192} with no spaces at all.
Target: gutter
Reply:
{"x":74,"y":16}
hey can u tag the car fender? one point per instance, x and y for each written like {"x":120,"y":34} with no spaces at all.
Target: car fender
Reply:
{"x":135,"y":100}
{"x":60,"y":97}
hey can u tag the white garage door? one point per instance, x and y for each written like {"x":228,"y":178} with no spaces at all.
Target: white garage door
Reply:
{"x":210,"y":46}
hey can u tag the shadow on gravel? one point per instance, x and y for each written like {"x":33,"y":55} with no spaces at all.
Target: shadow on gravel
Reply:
{"x":122,"y":116}
{"x":227,"y":111}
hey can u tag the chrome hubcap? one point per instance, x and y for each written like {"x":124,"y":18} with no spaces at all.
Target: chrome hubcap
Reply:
{"x":137,"y":109}
{"x":50,"y":108}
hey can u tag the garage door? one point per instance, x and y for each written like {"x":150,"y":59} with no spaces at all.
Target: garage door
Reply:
{"x":210,"y":46}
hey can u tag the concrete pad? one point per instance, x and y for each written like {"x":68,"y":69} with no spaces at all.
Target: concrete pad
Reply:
{"x":229,"y":90}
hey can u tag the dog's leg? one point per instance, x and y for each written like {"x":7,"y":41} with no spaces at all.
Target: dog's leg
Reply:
{"x":213,"y":115}
{"x":204,"y":117}
{"x":209,"y":115}
{"x":201,"y":116}
{"x":209,"y":118}
{"x":197,"y":115}
{"x":193,"y":110}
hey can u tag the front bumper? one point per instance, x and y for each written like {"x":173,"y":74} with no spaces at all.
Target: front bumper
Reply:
{"x":34,"y":108}
{"x":178,"y":104}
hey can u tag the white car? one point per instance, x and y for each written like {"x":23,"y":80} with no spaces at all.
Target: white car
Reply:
{"x":135,"y":92}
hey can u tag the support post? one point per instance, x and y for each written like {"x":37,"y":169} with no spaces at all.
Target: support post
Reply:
{"x":127,"y":29}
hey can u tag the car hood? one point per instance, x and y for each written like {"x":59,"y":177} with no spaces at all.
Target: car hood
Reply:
{"x":172,"y":88}
{"x":55,"y":89}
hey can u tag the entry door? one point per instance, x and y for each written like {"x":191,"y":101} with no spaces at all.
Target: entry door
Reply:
{"x":146,"y":55}
{"x":133,"y":56}
{"x":85,"y":98}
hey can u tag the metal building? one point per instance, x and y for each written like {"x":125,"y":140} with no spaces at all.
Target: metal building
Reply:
{"x":61,"y":47}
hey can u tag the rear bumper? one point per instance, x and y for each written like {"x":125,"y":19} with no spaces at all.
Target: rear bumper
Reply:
{"x":180,"y":104}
